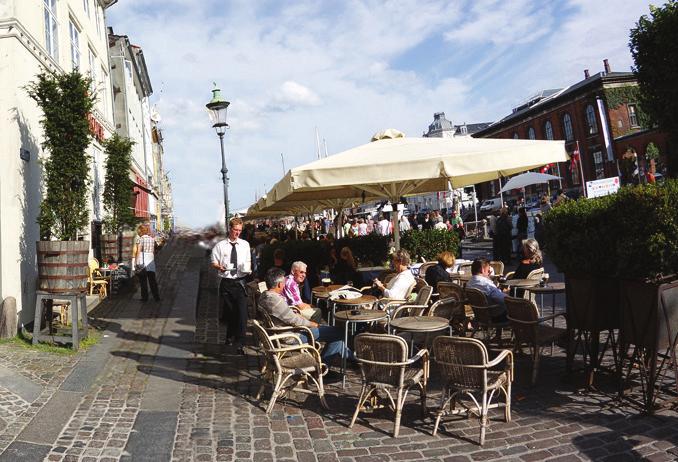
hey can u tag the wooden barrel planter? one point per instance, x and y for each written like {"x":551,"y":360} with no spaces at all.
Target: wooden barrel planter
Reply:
{"x":650,"y":323}
{"x":126,"y":247}
{"x":63,"y":266}
{"x":109,"y":247}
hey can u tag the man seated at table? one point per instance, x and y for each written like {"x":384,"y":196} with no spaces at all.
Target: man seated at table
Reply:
{"x":398,"y":287}
{"x":293,"y":282}
{"x":480,"y":279}
{"x":273,"y":302}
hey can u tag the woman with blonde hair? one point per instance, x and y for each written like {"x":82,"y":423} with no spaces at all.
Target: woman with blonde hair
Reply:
{"x":144,"y":262}
{"x":438,"y":273}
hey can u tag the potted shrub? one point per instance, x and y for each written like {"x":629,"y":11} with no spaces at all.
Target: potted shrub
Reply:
{"x":428,"y":243}
{"x":117,"y":195}
{"x":66,"y":102}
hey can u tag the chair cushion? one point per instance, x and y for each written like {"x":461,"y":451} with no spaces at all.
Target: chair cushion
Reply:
{"x":302,"y":361}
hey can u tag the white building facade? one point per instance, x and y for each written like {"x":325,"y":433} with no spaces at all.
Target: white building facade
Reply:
{"x":37,"y":36}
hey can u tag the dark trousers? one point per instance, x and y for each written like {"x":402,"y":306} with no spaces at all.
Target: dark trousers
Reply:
{"x":146,"y":278}
{"x":233,"y":308}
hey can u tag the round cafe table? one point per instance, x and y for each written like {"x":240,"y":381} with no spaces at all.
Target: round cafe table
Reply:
{"x":351,"y":318}
{"x":419,"y":324}
{"x":342,"y":304}
{"x":322,"y":292}
{"x":514,"y":284}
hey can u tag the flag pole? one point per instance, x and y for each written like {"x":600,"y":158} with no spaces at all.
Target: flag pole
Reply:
{"x":581,"y":170}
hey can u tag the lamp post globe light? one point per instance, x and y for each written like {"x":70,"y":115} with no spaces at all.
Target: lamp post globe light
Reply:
{"x":217,"y":108}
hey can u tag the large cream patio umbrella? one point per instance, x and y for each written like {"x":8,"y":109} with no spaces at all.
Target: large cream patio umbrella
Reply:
{"x":391,"y":168}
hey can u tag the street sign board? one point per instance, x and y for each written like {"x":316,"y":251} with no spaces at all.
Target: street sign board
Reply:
{"x":598,"y":188}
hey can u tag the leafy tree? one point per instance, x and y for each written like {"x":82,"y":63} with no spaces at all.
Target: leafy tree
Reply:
{"x":118,"y":185}
{"x":66,"y":102}
{"x":656,"y":68}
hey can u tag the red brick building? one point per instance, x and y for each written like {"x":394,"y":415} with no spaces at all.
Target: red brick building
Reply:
{"x":599,"y":114}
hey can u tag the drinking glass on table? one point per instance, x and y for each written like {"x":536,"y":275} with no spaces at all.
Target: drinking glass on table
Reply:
{"x":545,"y":279}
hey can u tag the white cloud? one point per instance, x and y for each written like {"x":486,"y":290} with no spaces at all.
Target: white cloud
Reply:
{"x":350,"y":69}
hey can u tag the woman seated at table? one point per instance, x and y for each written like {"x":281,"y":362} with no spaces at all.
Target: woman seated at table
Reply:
{"x":397,"y":287}
{"x":532,"y":260}
{"x":345,"y":269}
{"x":438,"y":273}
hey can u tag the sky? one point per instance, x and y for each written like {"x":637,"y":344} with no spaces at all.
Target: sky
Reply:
{"x":347,"y":69}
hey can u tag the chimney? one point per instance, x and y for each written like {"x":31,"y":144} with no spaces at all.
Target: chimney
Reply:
{"x":607,"y":66}
{"x":586,"y":73}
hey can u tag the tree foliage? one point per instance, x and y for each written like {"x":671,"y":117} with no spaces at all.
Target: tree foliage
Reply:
{"x":66,"y":102}
{"x":656,"y":68}
{"x":118,"y":185}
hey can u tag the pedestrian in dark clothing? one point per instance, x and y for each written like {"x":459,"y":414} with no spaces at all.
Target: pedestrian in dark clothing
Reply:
{"x":521,"y":226}
{"x":502,"y":237}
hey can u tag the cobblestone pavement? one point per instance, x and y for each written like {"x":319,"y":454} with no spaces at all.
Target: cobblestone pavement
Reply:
{"x":161,"y":385}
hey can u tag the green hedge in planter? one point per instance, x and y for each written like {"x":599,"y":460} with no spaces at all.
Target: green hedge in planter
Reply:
{"x":631,"y":234}
{"x":429,"y":243}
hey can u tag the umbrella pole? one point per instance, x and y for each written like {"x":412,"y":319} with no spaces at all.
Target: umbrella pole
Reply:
{"x":501,"y":194}
{"x":396,"y":227}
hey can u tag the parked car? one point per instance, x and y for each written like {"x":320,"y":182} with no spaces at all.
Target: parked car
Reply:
{"x":491,"y":205}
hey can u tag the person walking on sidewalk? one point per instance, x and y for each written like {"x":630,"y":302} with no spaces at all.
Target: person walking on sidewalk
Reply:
{"x":233,"y":259}
{"x":144,"y":262}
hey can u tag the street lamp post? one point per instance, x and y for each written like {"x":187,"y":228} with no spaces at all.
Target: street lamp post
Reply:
{"x":217,"y":108}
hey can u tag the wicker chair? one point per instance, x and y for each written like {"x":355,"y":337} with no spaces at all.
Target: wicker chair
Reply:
{"x":286,"y":367}
{"x":483,"y":313}
{"x":529,"y":329}
{"x":454,"y":310}
{"x":465,"y":369}
{"x":450,"y":290}
{"x":424,"y":267}
{"x":423,"y":295}
{"x":268,"y":323}
{"x":497,"y":267}
{"x":385,"y":366}
{"x":97,"y":280}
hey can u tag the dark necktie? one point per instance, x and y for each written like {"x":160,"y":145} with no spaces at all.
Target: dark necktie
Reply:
{"x":234,"y":258}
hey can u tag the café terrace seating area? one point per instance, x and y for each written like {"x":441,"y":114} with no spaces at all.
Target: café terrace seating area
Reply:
{"x":433,"y":359}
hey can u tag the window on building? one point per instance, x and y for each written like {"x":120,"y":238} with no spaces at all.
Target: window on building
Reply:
{"x":97,"y":19}
{"x":104,"y":92}
{"x":530,"y":134}
{"x":516,"y":136}
{"x":633,"y":115}
{"x":51,"y":28}
{"x":591,"y":120}
{"x":598,"y":162}
{"x":464,"y":130}
{"x":548,"y":130}
{"x":75,"y":45}
{"x":85,"y":6}
{"x":567,"y":127}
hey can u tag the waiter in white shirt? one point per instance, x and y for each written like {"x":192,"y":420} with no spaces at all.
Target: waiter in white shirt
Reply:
{"x":233,"y":259}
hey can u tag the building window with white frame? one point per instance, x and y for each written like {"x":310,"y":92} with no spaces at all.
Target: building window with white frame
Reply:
{"x":548,"y":130}
{"x":516,"y":136}
{"x":591,"y":120}
{"x":75,"y":44}
{"x":51,"y":29}
{"x":97,"y":19}
{"x":633,"y":115}
{"x":598,"y":162}
{"x":104,"y":92}
{"x":85,"y":6}
{"x":530,"y":134}
{"x":567,"y":127}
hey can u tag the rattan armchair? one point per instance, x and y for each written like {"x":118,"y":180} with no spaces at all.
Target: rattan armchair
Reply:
{"x":450,"y":290}
{"x":484,"y":313}
{"x":385,"y":366}
{"x":288,"y":367}
{"x":529,"y":329}
{"x":454,"y":310}
{"x":268,"y":323}
{"x":466,"y":370}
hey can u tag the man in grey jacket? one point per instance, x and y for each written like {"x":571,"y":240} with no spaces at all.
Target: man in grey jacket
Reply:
{"x":274,"y":303}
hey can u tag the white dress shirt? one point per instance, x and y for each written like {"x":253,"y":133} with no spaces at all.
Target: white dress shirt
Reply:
{"x":221,"y":254}
{"x":398,"y":286}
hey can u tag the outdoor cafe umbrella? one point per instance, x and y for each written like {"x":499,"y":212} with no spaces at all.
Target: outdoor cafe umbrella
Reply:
{"x":392,"y":168}
{"x":527,"y":179}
